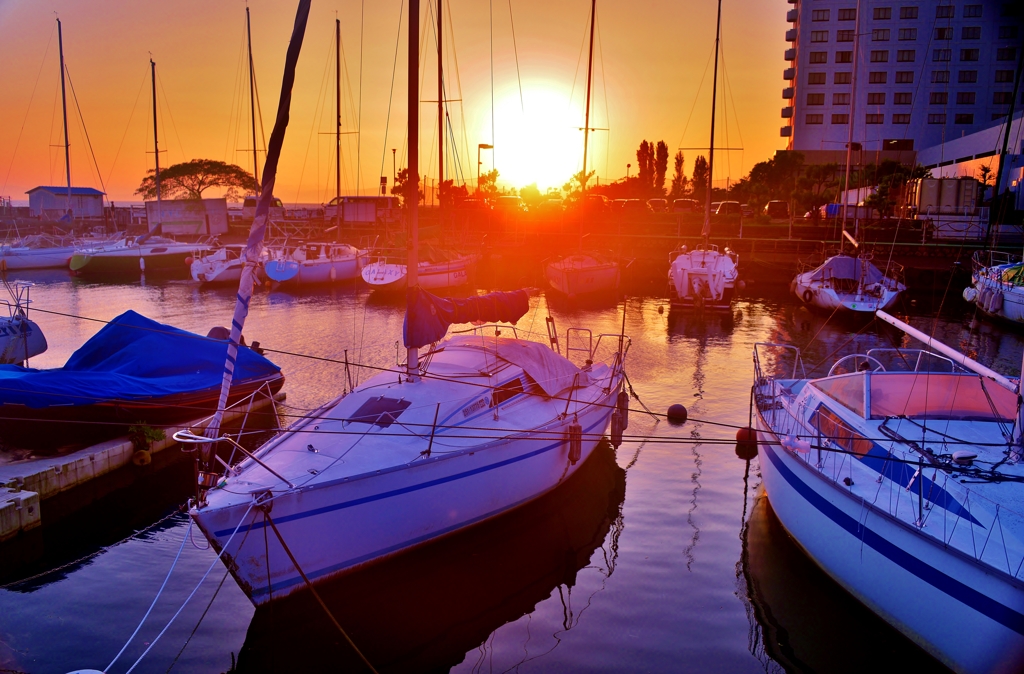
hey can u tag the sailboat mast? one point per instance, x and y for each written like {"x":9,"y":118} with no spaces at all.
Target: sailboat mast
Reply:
{"x":64,"y":104}
{"x":849,"y":133}
{"x":586,"y":116}
{"x":252,"y":97}
{"x":156,"y":151}
{"x":412,"y":194}
{"x":337,"y":125}
{"x":706,"y":231}
{"x":440,"y":103}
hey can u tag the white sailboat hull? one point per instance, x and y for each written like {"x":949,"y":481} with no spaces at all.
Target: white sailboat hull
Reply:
{"x":390,"y":276}
{"x":13,"y":259}
{"x":829,"y":299}
{"x":310,"y":272}
{"x":703,"y":278}
{"x":337,"y":526}
{"x":996,"y":298}
{"x":574,"y":276}
{"x":20,"y":339}
{"x":963,"y":614}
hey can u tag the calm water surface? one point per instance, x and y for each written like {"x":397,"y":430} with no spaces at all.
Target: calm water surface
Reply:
{"x":661,"y":556}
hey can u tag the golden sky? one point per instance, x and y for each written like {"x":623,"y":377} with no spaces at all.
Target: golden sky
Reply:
{"x":650,"y":59}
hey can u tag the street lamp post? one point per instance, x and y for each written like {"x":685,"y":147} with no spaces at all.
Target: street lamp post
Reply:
{"x":628,"y":166}
{"x":481,"y":146}
{"x":394,"y":165}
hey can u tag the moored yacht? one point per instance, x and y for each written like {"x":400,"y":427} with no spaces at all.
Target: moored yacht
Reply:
{"x":850,"y":284}
{"x":313,"y":262}
{"x":997,"y":285}
{"x":702,"y":278}
{"x":132,"y":255}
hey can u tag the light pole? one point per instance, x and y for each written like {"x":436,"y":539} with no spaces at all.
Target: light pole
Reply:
{"x":481,"y":146}
{"x":628,"y":166}
{"x":394,"y":165}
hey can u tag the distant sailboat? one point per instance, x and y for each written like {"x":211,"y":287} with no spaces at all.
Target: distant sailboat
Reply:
{"x":585,"y":272}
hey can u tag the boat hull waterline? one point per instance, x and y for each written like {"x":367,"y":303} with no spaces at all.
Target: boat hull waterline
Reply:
{"x":574,"y":276}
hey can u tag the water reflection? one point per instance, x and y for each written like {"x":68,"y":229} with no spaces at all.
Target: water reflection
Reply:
{"x":423,"y":611}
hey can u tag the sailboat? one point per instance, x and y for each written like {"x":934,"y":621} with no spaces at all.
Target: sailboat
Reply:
{"x":20,"y":337}
{"x":584,"y":272}
{"x":900,"y":474}
{"x":484,"y":422}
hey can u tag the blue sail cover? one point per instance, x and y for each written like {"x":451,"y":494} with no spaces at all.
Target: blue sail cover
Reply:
{"x":428,"y":316}
{"x":132,"y":358}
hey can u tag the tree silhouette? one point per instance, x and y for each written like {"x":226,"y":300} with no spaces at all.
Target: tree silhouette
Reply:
{"x":488,"y":186}
{"x":679,"y":179}
{"x":574,"y":188}
{"x":660,"y":168}
{"x":645,"y":167}
{"x":401,"y":186}
{"x":700,"y":178}
{"x":190,"y":179}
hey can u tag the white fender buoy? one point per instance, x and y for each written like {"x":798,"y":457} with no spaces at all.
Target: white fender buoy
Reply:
{"x":995,"y":303}
{"x":616,"y":434}
{"x":970,"y":293}
{"x":794,"y":444}
{"x":574,"y":435}
{"x":622,"y":406}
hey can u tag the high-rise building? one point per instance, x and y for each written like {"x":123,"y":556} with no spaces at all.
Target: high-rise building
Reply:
{"x":907,"y":74}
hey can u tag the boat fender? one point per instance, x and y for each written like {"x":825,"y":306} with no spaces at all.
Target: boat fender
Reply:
{"x":795,"y":444}
{"x":142,"y":457}
{"x":142,"y":264}
{"x":746,"y":434}
{"x":622,"y":406}
{"x":970,"y":293}
{"x":808,"y":295}
{"x":3,"y":265}
{"x":676,"y":415}
{"x":995,"y":303}
{"x":189,"y":260}
{"x":616,"y":434}
{"x":964,"y":457}
{"x":334,"y":274}
{"x":983,"y":298}
{"x":575,"y":438}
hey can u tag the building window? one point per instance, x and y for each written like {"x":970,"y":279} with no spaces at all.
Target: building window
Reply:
{"x":819,"y":15}
{"x":876,"y":98}
{"x":848,"y":15}
{"x":1003,"y":76}
{"x":882,"y":13}
{"x":902,"y":98}
{"x":1006,"y":54}
{"x":908,"y":34}
{"x":940,"y":76}
{"x":880,"y":35}
{"x":877,"y":77}
{"x":814,"y":119}
{"x":1002,"y":97}
{"x":965,"y":98}
{"x":938,"y":98}
{"x":819,"y":57}
{"x":844,"y":57}
{"x":842,"y":78}
{"x":880,"y":56}
{"x":942,"y":54}
{"x":964,"y":118}
{"x":937,"y":119}
{"x":819,"y":36}
{"x":874,"y":119}
{"x":1007,"y":32}
{"x":905,"y":77}
{"x":815,"y":78}
{"x":908,"y":12}
{"x":905,"y":55}
{"x":944,"y":12}
{"x":970,"y":33}
{"x":943,"y":33}
{"x":840,"y":99}
{"x":815,"y":99}
{"x":969,"y":54}
{"x":967,"y":76}
{"x":844,"y":35}
{"x":840,"y":119}
{"x":901,"y":119}
{"x":972,"y":11}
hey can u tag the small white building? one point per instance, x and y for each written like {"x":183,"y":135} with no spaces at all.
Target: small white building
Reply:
{"x":189,"y":217}
{"x":51,"y":203}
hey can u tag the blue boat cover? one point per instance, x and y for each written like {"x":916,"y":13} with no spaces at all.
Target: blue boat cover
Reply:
{"x":428,"y":316}
{"x":132,"y":358}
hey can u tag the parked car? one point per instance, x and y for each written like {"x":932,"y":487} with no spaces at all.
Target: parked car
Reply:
{"x":729,"y":208}
{"x":636,"y":206}
{"x":777,"y":209}
{"x":249,"y":208}
{"x":473,"y":204}
{"x":714,"y":207}
{"x":746,"y":210}
{"x":552,"y":205}
{"x":618,"y":203}
{"x":686,"y":206}
{"x":658,"y":205}
{"x":510,"y":204}
{"x":596,"y":203}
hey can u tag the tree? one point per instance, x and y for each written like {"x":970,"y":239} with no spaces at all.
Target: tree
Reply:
{"x":448,"y":193}
{"x":699,"y":181}
{"x":679,"y":179}
{"x":531,"y":195}
{"x":645,"y":167}
{"x":660,"y":168}
{"x":574,"y":188}
{"x":488,"y":185}
{"x":401,"y":186}
{"x":190,"y":179}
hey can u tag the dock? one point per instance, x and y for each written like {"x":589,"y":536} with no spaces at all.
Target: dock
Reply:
{"x":25,"y":486}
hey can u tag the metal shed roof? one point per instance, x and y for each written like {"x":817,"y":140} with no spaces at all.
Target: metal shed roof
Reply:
{"x":75,"y":191}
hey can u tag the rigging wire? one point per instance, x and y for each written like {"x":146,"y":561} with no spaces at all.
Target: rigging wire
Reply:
{"x":85,"y":130}
{"x":515,"y":51}
{"x":359,"y":115}
{"x":391,"y":96}
{"x":129,"y":124}
{"x":167,"y":106}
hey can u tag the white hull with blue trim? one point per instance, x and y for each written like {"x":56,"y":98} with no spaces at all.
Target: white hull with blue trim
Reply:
{"x":842,"y":459}
{"x":396,"y":463}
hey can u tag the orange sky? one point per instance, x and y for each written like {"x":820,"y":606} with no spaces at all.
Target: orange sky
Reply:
{"x":649,"y":61}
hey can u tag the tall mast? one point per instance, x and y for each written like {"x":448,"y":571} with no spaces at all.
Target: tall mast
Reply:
{"x":156,"y":150}
{"x":337,"y":125}
{"x":586,"y":117}
{"x":706,"y":231}
{"x":440,"y":103}
{"x":252,"y":98}
{"x":849,"y":136}
{"x":64,"y":104}
{"x":412,"y":195}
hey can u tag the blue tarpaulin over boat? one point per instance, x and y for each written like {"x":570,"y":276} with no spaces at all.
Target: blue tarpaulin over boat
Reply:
{"x":132,"y":358}
{"x":428,"y":316}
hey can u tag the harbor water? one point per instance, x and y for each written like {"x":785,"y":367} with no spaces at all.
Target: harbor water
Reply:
{"x":660,"y":556}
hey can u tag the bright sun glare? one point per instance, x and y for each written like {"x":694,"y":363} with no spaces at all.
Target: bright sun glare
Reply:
{"x":538,"y":140}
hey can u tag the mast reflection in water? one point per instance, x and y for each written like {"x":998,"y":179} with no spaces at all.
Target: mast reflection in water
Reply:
{"x":425,"y":610}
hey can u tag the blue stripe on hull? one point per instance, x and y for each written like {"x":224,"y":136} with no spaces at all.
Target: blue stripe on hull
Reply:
{"x":985,"y":605}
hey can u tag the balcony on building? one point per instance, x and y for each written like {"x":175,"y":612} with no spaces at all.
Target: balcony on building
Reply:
{"x":787,"y":112}
{"x":786,"y":131}
{"x":791,"y":35}
{"x":790,"y":54}
{"x":789,"y":74}
{"x":788,"y":93}
{"x":791,"y":16}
